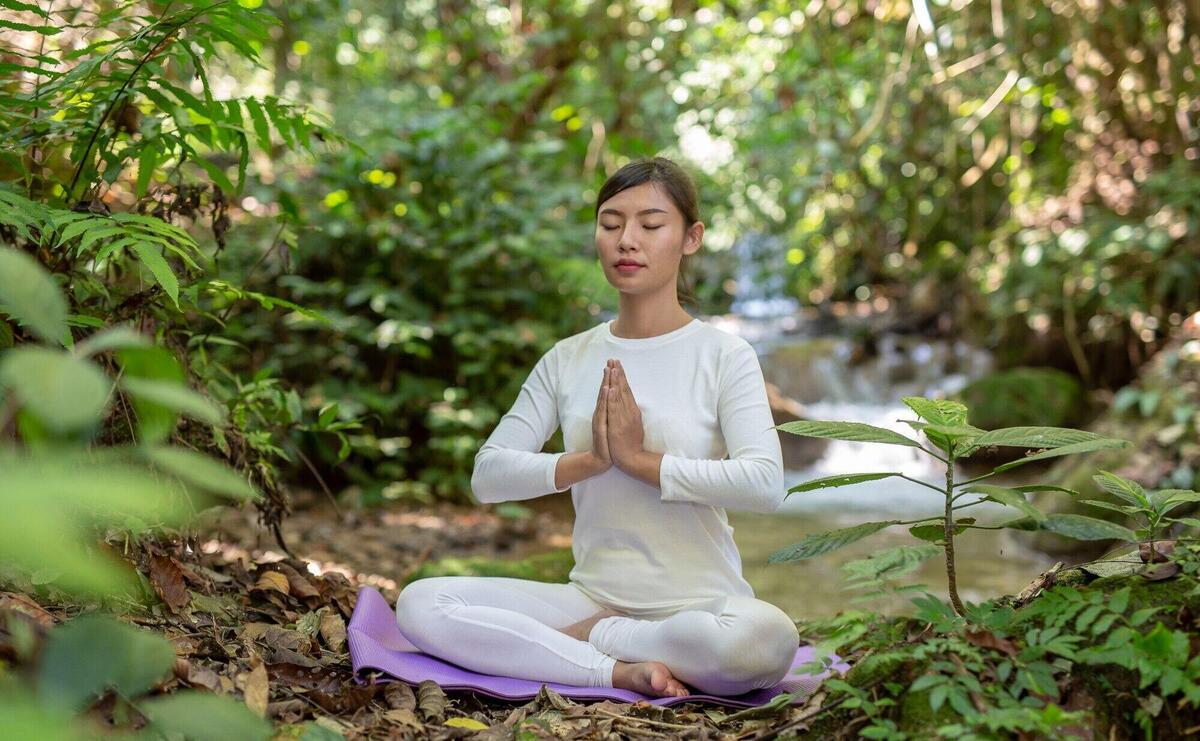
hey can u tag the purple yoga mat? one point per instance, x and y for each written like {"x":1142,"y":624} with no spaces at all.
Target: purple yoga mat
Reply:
{"x":376,"y":643}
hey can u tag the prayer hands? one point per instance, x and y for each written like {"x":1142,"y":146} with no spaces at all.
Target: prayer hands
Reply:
{"x":623,"y":417}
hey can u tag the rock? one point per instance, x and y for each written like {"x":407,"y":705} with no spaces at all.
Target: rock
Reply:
{"x":798,"y":452}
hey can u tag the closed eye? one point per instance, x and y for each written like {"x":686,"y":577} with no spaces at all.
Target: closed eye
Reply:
{"x":648,"y":228}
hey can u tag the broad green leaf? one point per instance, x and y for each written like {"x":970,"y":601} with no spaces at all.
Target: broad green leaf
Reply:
{"x":1022,"y":523}
{"x":819,"y":543}
{"x":1035,"y":437}
{"x":152,"y":259}
{"x":1009,"y":498}
{"x":30,"y":295}
{"x":1084,"y":447}
{"x":1122,"y":488}
{"x":1125,"y":509}
{"x":830,"y":482}
{"x":853,"y":431}
{"x":64,"y":392}
{"x":114,"y":338}
{"x":1080,"y":527}
{"x":937,"y":411}
{"x":200,"y":716}
{"x":1171,"y":498}
{"x":24,"y":719}
{"x":90,"y":654}
{"x":201,"y":471}
{"x":934,"y":530}
{"x":155,"y":364}
{"x":175,"y":396}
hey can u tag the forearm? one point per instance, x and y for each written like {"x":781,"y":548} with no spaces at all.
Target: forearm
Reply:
{"x":575,"y":467}
{"x":753,"y":484}
{"x":645,"y":467}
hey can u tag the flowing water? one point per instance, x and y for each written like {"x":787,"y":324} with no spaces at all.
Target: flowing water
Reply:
{"x":831,"y":382}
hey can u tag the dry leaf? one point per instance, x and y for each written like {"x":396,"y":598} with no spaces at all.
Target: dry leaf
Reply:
{"x":333,"y":631}
{"x":167,"y":579}
{"x":258,"y":690}
{"x":431,"y":700}
{"x":26,"y":606}
{"x":405,"y":717}
{"x":300,"y":587}
{"x":269,"y":580}
{"x":399,"y":696}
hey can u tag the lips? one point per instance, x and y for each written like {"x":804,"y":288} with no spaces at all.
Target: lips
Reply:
{"x":629,"y":264}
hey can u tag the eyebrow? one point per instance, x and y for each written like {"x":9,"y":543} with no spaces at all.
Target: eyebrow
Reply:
{"x":639,"y":213}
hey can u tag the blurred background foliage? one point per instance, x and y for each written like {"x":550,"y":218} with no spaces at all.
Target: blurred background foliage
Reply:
{"x":391,"y":204}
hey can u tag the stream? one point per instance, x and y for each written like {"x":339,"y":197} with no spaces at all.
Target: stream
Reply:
{"x":832,"y":380}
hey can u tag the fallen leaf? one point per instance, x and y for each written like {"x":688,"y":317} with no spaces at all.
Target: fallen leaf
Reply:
{"x":300,"y":587}
{"x":306,"y":677}
{"x":467,"y":723}
{"x":431,"y":700}
{"x":399,"y":696}
{"x":333,"y":631}
{"x":258,"y":690}
{"x":272,"y":580}
{"x":988,"y":639}
{"x":167,"y":579}
{"x":405,"y":717}
{"x":26,"y":606}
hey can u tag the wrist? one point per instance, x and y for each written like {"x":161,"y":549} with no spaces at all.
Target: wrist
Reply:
{"x":598,"y":466}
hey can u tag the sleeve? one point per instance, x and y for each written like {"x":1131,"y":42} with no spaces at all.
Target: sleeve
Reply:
{"x":752,"y":477}
{"x":509,"y":466}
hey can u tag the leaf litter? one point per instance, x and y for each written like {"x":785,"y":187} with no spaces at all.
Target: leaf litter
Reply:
{"x":269,"y":629}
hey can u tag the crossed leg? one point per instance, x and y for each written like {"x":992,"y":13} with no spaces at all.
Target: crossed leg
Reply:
{"x":527,"y":629}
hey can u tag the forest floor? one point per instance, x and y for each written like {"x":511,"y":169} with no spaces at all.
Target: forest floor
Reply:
{"x":249,"y":621}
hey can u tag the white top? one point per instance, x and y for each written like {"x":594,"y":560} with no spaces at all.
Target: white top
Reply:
{"x":641,"y":549}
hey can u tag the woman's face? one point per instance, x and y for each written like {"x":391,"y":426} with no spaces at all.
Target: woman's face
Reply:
{"x":642,"y":225}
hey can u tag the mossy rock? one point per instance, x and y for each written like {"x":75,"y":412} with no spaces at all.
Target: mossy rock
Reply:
{"x":1020,"y":397}
{"x":552,"y":566}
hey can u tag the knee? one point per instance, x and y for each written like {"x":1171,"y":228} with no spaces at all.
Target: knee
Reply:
{"x":763,"y":652}
{"x":416,"y":604}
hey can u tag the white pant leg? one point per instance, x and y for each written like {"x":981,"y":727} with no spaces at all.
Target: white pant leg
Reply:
{"x":749,"y":646}
{"x":504,"y":626}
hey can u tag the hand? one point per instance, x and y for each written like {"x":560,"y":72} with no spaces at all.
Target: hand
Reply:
{"x":600,"y":428}
{"x":625,"y":434}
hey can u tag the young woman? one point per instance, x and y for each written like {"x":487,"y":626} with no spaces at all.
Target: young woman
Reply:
{"x":650,"y":404}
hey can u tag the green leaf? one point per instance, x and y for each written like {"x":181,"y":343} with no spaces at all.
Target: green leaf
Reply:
{"x":853,"y":431}
{"x":1080,"y":527}
{"x":1084,"y":447}
{"x":1035,"y":437}
{"x":175,"y":396}
{"x":30,"y":295}
{"x":65,"y":393}
{"x":938,"y":412}
{"x":1165,"y":500}
{"x":152,"y":259}
{"x":1009,"y":498}
{"x":203,"y":472}
{"x":115,"y":338}
{"x":90,"y":654}
{"x":830,"y":482}
{"x":819,"y":543}
{"x":200,"y":716}
{"x":934,"y":530}
{"x":1122,"y":488}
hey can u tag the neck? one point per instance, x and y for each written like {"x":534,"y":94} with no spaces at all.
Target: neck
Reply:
{"x":639,"y":319}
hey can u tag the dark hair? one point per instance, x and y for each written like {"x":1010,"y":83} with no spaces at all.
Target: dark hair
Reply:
{"x":680,"y":189}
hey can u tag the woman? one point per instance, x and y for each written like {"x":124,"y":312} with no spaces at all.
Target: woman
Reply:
{"x":649,"y":403}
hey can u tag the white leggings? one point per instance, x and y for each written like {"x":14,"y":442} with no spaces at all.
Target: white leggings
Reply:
{"x":510,"y":627}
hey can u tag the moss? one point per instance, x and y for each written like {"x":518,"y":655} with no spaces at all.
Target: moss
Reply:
{"x":1024,"y":396}
{"x":1169,"y":593}
{"x":552,"y":566}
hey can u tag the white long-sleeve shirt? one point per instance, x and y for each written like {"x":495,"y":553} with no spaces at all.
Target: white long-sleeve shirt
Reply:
{"x":641,"y":549}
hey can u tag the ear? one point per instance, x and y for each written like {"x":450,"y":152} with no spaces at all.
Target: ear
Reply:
{"x":691,"y":239}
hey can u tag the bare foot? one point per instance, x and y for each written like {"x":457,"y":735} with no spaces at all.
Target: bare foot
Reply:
{"x":581,"y":630}
{"x":649,"y":678}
